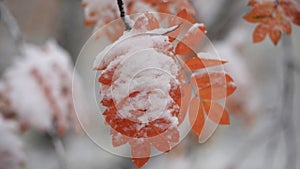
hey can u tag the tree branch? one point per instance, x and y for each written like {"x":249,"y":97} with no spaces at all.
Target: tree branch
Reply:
{"x":59,"y":149}
{"x":11,"y":24}
{"x":288,"y":103}
{"x":123,"y":15}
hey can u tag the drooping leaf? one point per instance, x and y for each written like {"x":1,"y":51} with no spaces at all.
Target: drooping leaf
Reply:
{"x":275,"y":35}
{"x":260,"y":33}
{"x":140,"y":151}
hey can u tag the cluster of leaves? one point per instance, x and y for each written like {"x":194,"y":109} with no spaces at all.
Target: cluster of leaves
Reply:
{"x":101,"y":12}
{"x":199,"y":92}
{"x":273,"y":18}
{"x":42,"y":76}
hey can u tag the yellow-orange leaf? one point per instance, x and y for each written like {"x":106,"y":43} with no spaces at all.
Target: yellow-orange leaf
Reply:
{"x":216,"y":112}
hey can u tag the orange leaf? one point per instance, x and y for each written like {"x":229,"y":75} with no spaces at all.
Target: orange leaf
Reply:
{"x":216,"y":112}
{"x":140,"y":151}
{"x":196,"y":63}
{"x":172,"y":134}
{"x":260,"y":12}
{"x":260,"y":33}
{"x":216,"y":92}
{"x":196,"y":116}
{"x":286,"y":26}
{"x":117,"y":138}
{"x":187,"y":92}
{"x":146,"y":22}
{"x":160,"y":143}
{"x":88,"y":23}
{"x":152,"y":21}
{"x":176,"y":21}
{"x":190,"y":39}
{"x":186,"y":16}
{"x":208,"y":79}
{"x":275,"y":35}
{"x":215,"y":85}
{"x":296,"y":18}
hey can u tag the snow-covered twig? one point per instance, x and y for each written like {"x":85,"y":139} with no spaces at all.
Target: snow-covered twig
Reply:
{"x":11,"y":24}
{"x":123,"y":15}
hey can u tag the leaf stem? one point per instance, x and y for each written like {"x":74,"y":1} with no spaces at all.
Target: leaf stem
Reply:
{"x":123,"y":15}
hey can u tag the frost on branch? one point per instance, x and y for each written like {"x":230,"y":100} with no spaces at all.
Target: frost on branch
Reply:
{"x":12,"y":155}
{"x":38,"y":87}
{"x":273,"y":18}
{"x":146,"y":91}
{"x":98,"y":13}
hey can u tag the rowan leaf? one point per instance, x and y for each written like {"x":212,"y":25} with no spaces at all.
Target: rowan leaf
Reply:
{"x":190,"y":39}
{"x":275,"y":35}
{"x":259,"y":12}
{"x":196,"y":116}
{"x":196,"y":63}
{"x":187,"y":92}
{"x":216,"y":112}
{"x":140,"y":151}
{"x":117,"y":138}
{"x":260,"y":33}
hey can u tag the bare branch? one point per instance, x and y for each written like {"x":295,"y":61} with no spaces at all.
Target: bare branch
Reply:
{"x":11,"y":24}
{"x":123,"y":15}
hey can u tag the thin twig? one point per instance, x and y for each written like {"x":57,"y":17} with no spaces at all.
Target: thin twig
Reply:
{"x":123,"y":15}
{"x":288,"y":103}
{"x":59,"y":149}
{"x":11,"y":24}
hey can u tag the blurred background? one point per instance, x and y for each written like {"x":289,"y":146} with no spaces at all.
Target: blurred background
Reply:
{"x":263,"y":131}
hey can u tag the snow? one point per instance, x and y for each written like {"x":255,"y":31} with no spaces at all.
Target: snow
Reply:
{"x":39,"y":86}
{"x":141,"y":66}
{"x":12,"y":155}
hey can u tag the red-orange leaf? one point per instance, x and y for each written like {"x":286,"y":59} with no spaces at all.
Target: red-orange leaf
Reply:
{"x":217,"y":91}
{"x":204,"y":80}
{"x":196,"y":116}
{"x":117,"y":138}
{"x":190,"y":39}
{"x":140,"y":151}
{"x":172,"y":134}
{"x":216,"y":112}
{"x":275,"y":35}
{"x":187,"y":92}
{"x":160,"y":143}
{"x":260,"y":33}
{"x":196,"y":63}
{"x":260,"y":12}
